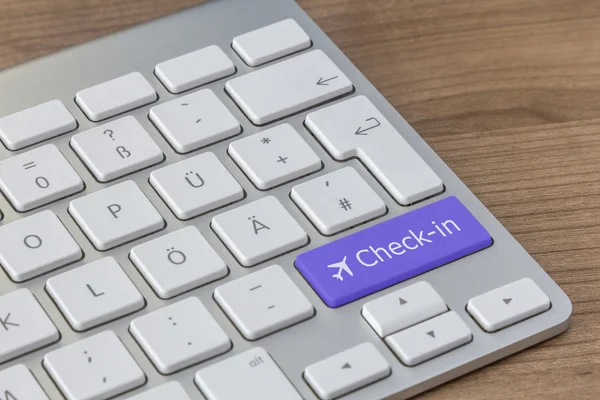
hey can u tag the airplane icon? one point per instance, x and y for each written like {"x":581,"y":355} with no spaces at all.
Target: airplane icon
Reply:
{"x":342,"y":267}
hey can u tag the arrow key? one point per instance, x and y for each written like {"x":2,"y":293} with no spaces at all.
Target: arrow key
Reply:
{"x":347,"y":371}
{"x":430,"y":338}
{"x":403,"y":308}
{"x":508,"y":305}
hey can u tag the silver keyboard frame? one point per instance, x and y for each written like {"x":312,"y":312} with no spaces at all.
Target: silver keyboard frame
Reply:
{"x":330,"y":331}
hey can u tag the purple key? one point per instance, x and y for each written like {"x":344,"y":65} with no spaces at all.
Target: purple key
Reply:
{"x":392,"y":251}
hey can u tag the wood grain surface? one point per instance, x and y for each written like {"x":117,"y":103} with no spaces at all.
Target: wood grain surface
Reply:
{"x":506,"y":91}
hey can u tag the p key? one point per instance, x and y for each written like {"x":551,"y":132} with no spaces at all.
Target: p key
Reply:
{"x":116,"y":215}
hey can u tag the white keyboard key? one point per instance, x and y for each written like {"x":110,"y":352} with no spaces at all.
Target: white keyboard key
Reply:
{"x":178,"y":262}
{"x":196,"y":185}
{"x":35,"y":245}
{"x":194,"y":121}
{"x":430,"y":338}
{"x":116,"y":96}
{"x":259,"y":230}
{"x":338,"y":201}
{"x":508,"y":304}
{"x":94,"y":294}
{"x":18,"y":383}
{"x":179,"y":335}
{"x":167,"y":391}
{"x":249,"y":375}
{"x":35,"y":124}
{"x":288,"y":87}
{"x":274,"y":156}
{"x":263,"y":302}
{"x":403,"y":308}
{"x":96,"y":368}
{"x":355,"y":128}
{"x":24,"y":325}
{"x":38,"y":177}
{"x":271,"y":42}
{"x":347,"y":371}
{"x":115,"y":215}
{"x":194,"y":69}
{"x":117,"y":148}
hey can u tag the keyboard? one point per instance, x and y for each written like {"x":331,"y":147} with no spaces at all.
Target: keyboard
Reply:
{"x":217,"y":204}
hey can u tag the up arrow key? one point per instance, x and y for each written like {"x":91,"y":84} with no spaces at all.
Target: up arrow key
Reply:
{"x":346,"y":366}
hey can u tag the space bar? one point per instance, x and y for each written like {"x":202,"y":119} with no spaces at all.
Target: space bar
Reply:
{"x":287,"y":87}
{"x":392,"y":251}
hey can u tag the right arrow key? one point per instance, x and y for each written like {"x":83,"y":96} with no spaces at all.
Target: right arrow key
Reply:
{"x":508,"y":305}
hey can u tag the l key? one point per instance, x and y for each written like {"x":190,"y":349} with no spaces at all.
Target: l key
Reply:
{"x":355,"y":128}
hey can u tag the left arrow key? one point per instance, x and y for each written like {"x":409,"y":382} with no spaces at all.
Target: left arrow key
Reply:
{"x":360,"y":366}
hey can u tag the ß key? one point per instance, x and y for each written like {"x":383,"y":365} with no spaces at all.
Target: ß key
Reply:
{"x":35,"y":245}
{"x":24,"y":325}
{"x":196,"y":185}
{"x":94,"y":294}
{"x":259,"y":230}
{"x":95,"y":368}
{"x":274,"y":156}
{"x":117,"y":148}
{"x":116,"y":215}
{"x":180,"y":335}
{"x":338,"y":200}
{"x":38,"y":177}
{"x":178,"y":262}
{"x":392,"y":251}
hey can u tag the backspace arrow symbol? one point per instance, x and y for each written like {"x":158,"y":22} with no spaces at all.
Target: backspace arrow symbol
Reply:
{"x":323,"y":82}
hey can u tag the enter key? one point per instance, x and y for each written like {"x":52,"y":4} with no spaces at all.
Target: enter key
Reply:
{"x":392,"y":251}
{"x":356,"y":128}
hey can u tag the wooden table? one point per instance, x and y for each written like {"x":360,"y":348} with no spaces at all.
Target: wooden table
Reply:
{"x":506,"y":91}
